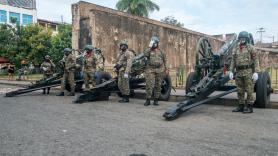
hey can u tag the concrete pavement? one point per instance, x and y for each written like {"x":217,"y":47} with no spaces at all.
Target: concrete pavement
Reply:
{"x":34,"y":125}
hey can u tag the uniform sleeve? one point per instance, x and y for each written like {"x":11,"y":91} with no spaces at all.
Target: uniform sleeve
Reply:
{"x":165,"y":60}
{"x":147,"y":53}
{"x":232,"y":65}
{"x":100,"y":63}
{"x":52,"y":64}
{"x":130,"y":57}
{"x":255,"y":60}
{"x":71,"y":63}
{"x":42,"y":65}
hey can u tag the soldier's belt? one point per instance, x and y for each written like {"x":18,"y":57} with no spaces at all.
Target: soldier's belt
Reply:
{"x":155,"y":65}
{"x":243,"y":67}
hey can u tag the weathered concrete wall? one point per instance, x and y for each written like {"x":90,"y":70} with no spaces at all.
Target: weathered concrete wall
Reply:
{"x":105,"y":28}
{"x":268,"y":57}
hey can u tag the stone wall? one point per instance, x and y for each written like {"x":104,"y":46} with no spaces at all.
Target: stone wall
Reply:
{"x":105,"y":28}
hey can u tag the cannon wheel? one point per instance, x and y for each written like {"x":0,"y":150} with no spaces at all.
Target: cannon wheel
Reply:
{"x":166,"y":87}
{"x":263,"y":90}
{"x":204,"y":50}
{"x":191,"y":79}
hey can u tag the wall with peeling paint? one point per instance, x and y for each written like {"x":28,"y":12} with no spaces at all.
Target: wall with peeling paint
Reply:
{"x":105,"y":28}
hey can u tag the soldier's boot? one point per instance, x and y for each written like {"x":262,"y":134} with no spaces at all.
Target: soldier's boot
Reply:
{"x":71,"y":94}
{"x":61,"y":94}
{"x":239,"y":108}
{"x":248,"y":109}
{"x":43,"y":91}
{"x":125,"y":99}
{"x":147,"y":103}
{"x":155,"y":102}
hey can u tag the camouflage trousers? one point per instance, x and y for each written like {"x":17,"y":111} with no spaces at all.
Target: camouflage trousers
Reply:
{"x":244,"y":83}
{"x":153,"y":84}
{"x":89,"y":78}
{"x":46,"y":76}
{"x":68,"y":77}
{"x":123,"y":83}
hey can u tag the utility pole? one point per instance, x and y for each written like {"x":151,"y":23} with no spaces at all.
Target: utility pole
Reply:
{"x":62,"y":18}
{"x":261,"y":31}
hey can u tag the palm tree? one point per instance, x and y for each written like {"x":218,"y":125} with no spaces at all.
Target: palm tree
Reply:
{"x":137,"y":7}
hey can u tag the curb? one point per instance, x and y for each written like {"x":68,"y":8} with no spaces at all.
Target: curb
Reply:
{"x":173,"y":98}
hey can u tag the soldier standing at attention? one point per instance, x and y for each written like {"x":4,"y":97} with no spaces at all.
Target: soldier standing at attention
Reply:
{"x":156,"y":68}
{"x":48,"y":69}
{"x":69,"y":68}
{"x":89,"y":67}
{"x":123,"y":67}
{"x":246,"y":65}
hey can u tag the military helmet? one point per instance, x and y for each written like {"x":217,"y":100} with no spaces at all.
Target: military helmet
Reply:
{"x":47,"y":57}
{"x":243,"y":34}
{"x":124,"y":42}
{"x":67,"y":50}
{"x":89,"y":47}
{"x":154,"y":42}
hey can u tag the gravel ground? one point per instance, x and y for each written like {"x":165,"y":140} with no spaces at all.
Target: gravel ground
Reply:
{"x":37,"y":125}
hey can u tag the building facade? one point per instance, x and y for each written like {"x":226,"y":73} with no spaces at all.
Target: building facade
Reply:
{"x":23,"y":11}
{"x":49,"y":25}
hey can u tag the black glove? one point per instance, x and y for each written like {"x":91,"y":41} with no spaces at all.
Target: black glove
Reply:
{"x":117,"y":67}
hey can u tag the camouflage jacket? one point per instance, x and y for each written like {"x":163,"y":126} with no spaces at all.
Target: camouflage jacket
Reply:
{"x":99,"y":62}
{"x":156,"y":60}
{"x":70,"y":62}
{"x":90,"y":63}
{"x":125,"y":59}
{"x":49,"y":67}
{"x":244,"y":61}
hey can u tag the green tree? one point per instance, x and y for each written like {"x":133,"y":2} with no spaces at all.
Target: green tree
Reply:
{"x":137,"y":7}
{"x":171,"y":20}
{"x":7,"y":41}
{"x":29,"y":43}
{"x":60,"y":41}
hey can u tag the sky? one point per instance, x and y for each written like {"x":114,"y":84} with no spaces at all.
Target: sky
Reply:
{"x":211,"y":17}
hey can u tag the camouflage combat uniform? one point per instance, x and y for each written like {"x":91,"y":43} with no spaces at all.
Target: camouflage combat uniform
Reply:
{"x":245,"y":63}
{"x":89,"y":70}
{"x":125,"y":61}
{"x":99,"y":62}
{"x":155,"y":71}
{"x":69,"y":70}
{"x":49,"y":66}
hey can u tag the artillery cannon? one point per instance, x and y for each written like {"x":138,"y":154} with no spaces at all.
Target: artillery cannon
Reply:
{"x":209,"y":76}
{"x":109,"y":85}
{"x":53,"y":81}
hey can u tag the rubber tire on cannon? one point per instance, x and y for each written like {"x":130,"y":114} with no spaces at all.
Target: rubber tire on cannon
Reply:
{"x":166,"y":87}
{"x":263,"y":90}
{"x":191,"y":79}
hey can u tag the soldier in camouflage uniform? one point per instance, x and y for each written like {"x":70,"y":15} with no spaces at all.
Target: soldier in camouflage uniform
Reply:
{"x":69,"y":69}
{"x":90,"y":62}
{"x":155,"y":70}
{"x":245,"y":63}
{"x":48,"y":69}
{"x":123,"y":67}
